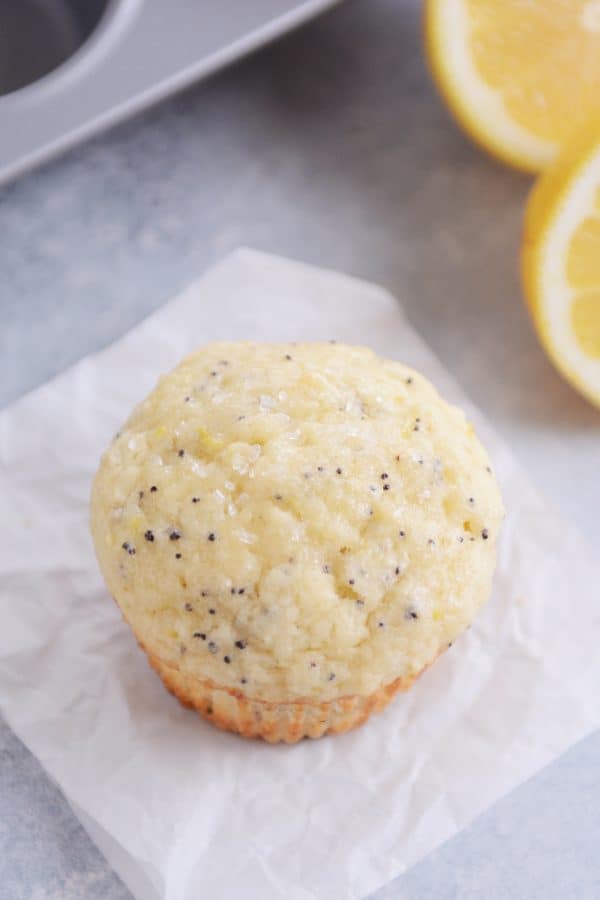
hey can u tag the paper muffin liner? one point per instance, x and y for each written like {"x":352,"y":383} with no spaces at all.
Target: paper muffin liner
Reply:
{"x":288,"y":721}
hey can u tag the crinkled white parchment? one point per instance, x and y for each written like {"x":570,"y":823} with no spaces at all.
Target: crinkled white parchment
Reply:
{"x":183,"y":811}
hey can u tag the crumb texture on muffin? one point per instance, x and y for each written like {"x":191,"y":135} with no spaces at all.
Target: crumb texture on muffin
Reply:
{"x":288,"y":721}
{"x":296,"y":521}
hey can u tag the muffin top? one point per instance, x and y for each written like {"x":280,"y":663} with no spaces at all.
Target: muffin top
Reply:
{"x":296,"y":521}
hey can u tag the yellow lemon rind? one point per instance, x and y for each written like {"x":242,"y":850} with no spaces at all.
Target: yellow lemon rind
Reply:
{"x":545,"y":207}
{"x":478,"y":108}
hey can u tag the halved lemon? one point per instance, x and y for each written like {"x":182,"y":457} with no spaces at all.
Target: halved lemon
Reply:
{"x":521,"y":76}
{"x":561,"y":261}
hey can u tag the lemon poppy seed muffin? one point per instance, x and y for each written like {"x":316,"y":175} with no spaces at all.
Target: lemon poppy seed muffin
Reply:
{"x":294,"y":532}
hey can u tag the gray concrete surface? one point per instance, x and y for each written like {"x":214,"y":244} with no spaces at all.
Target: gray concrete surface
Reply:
{"x":331,"y":147}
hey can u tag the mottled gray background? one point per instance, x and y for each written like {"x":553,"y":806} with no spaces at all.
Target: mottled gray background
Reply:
{"x":331,"y":147}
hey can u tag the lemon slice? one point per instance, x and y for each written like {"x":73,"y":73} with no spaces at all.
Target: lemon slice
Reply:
{"x":561,"y":261}
{"x":521,"y":76}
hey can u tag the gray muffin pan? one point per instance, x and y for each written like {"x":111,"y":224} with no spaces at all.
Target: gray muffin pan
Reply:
{"x":69,"y":68}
